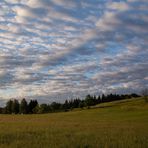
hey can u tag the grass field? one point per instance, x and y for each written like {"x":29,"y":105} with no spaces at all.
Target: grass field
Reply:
{"x":121,"y":124}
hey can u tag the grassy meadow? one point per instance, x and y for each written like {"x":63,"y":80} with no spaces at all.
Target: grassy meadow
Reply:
{"x":120,"y":124}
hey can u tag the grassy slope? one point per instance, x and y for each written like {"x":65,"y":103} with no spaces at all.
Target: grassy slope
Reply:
{"x":122,"y":124}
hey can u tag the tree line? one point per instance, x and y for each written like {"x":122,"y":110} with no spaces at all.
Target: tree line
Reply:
{"x":13,"y":106}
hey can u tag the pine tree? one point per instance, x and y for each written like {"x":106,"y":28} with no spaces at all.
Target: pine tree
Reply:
{"x":9,"y":107}
{"x":23,"y":107}
{"x":15,"y":106}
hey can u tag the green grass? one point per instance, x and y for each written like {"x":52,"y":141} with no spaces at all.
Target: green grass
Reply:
{"x":120,"y":124}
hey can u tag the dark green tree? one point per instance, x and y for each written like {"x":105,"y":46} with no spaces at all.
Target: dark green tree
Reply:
{"x":103,"y":98}
{"x":15,"y":106}
{"x":8,"y":108}
{"x":23,"y":107}
{"x":82,"y":104}
{"x":99,"y":99}
{"x":66,"y":105}
{"x":32,"y":104}
{"x":89,"y":100}
{"x":55,"y":106}
{"x":44,"y":108}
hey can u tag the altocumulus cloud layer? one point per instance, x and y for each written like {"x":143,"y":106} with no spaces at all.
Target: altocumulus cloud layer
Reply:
{"x":57,"y":49}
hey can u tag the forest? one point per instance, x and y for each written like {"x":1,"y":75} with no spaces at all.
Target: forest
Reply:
{"x":14,"y":106}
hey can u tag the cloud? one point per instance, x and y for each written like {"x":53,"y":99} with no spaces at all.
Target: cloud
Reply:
{"x":58,"y":49}
{"x":121,"y":6}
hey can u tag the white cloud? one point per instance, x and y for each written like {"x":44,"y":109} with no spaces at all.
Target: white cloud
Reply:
{"x":121,"y":6}
{"x":62,"y":48}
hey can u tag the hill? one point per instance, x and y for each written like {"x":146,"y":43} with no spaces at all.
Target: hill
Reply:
{"x":109,"y":125}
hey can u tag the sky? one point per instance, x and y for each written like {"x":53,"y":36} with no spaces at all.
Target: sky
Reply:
{"x":52,"y":50}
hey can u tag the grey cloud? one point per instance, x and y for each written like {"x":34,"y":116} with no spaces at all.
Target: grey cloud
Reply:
{"x":58,"y":51}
